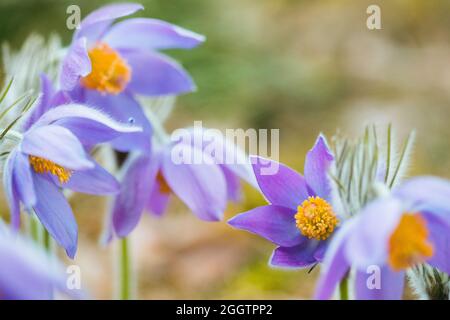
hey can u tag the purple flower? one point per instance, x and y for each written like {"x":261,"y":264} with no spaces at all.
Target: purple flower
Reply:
{"x":391,"y":234}
{"x":299,"y":217}
{"x":28,"y":273}
{"x":49,"y":98}
{"x":108,"y":64}
{"x":52,"y":155}
{"x":149,"y":180}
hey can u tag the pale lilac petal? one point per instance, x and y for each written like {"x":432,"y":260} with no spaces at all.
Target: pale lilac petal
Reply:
{"x":108,"y":229}
{"x":319,"y":254}
{"x":47,"y":92}
{"x":92,"y":33}
{"x":98,"y":21}
{"x":95,"y":181}
{"x":390,"y":287}
{"x":55,"y":214}
{"x":138,"y":176}
{"x":125,"y":109}
{"x":19,"y":280}
{"x":275,"y":223}
{"x":154,"y":74}
{"x":427,"y":193}
{"x":439,"y":236}
{"x":76,"y":64}
{"x":317,"y":164}
{"x":335,"y":264}
{"x":91,"y":126}
{"x":301,"y":256}
{"x":368,"y":243}
{"x":150,"y":34}
{"x":284,"y":187}
{"x":77,"y":95}
{"x":24,"y":181}
{"x":11,"y":191}
{"x":56,"y":144}
{"x":201,"y":187}
{"x":110,"y":12}
{"x":233,"y":184}
{"x":59,"y":98}
{"x":158,"y":201}
{"x":224,"y":151}
{"x":27,"y":273}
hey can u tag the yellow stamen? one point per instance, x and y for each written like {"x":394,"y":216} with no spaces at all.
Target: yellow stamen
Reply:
{"x":163,"y":186}
{"x":315,"y":218}
{"x":41,"y":165}
{"x":408,"y":244}
{"x":110,"y":72}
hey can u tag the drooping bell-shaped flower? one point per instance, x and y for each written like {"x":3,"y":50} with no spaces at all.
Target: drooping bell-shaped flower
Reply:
{"x":171,"y":169}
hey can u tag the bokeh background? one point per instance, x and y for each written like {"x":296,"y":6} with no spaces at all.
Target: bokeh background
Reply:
{"x":301,"y":66}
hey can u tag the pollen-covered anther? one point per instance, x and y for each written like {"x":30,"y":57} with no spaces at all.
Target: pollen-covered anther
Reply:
{"x":408,"y":244}
{"x":41,"y":165}
{"x":316,"y":219}
{"x":110,"y":72}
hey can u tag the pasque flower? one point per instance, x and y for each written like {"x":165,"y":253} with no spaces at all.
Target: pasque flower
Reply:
{"x":300,"y":217}
{"x":393,"y":233}
{"x":51,"y":155}
{"x":149,"y":180}
{"x":108,"y":64}
{"x":28,"y":273}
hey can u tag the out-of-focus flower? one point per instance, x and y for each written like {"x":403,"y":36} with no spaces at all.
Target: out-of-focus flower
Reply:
{"x":407,"y":227}
{"x":300,"y":217}
{"x":230,"y":158}
{"x":50,"y":155}
{"x":108,"y":64}
{"x":27,"y":272}
{"x":171,"y":169}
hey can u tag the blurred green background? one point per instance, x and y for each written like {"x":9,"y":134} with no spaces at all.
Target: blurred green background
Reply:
{"x":301,"y":66}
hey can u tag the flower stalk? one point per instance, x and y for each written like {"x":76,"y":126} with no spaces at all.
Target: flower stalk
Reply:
{"x":343,"y":289}
{"x":125,"y":278}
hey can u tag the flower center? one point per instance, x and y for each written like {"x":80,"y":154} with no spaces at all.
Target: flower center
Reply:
{"x":408,"y":244}
{"x":41,"y":165}
{"x":315,"y":218}
{"x":110,"y":72}
{"x":163,"y":186}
